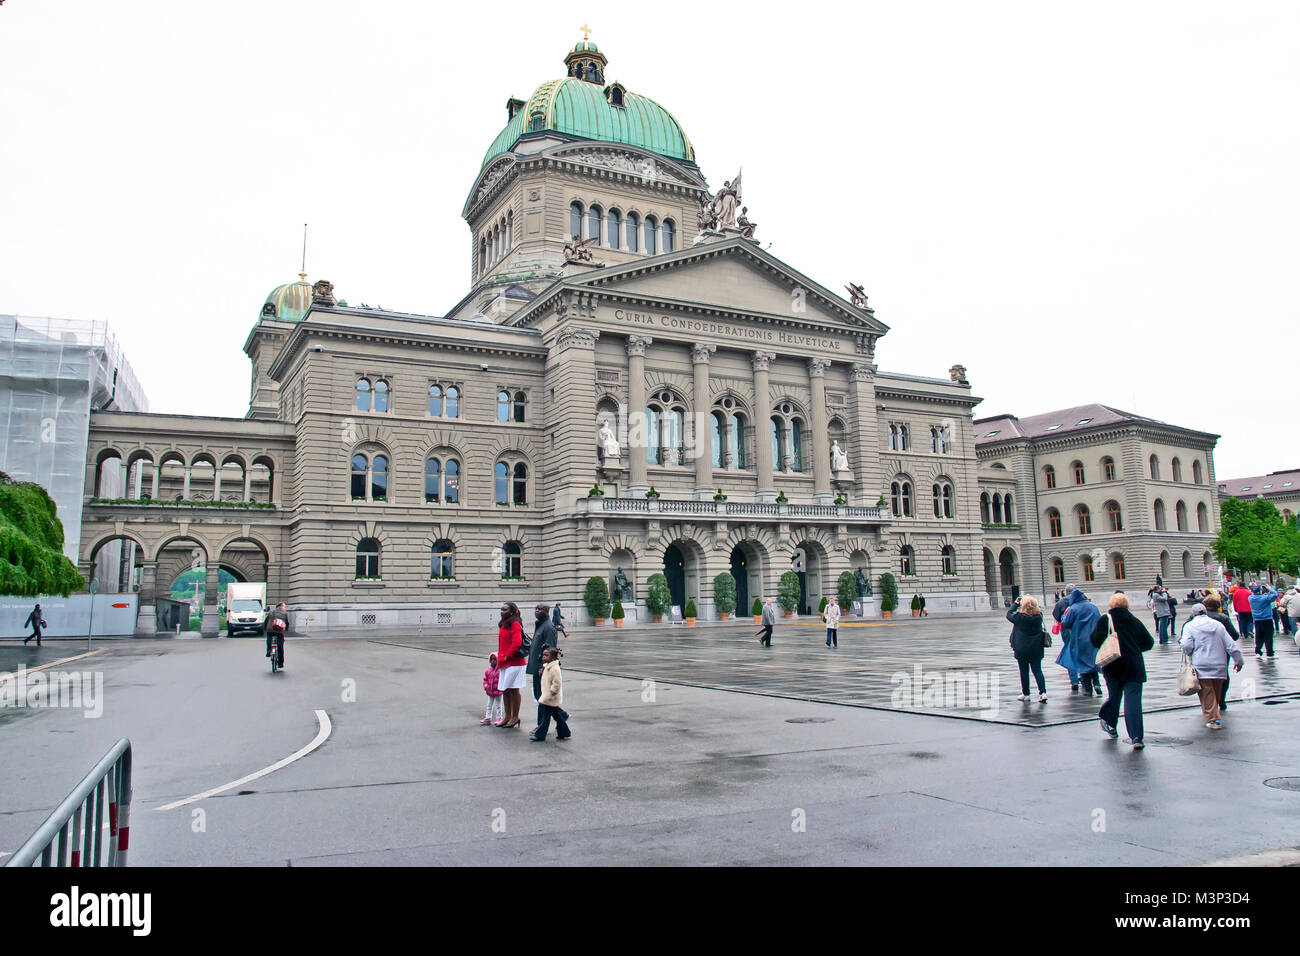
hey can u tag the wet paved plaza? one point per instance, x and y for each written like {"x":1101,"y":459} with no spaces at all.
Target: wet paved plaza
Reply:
{"x":958,"y":667}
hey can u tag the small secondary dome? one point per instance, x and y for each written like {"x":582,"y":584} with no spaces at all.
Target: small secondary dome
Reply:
{"x":583,"y":107}
{"x":288,"y":302}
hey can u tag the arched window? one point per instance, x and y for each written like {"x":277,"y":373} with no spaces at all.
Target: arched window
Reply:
{"x":1187,"y":564}
{"x":442,"y":560}
{"x":736,"y":440}
{"x":652,"y":438}
{"x":441,"y":481}
{"x":521,"y":402}
{"x":451,"y":481}
{"x":381,"y":396}
{"x":1114,"y":518}
{"x":1197,"y":477}
{"x":432,"y":481}
{"x":942,"y":492}
{"x":670,"y":235}
{"x":510,"y":228}
{"x":675,"y":436}
{"x":1117,"y":566}
{"x":379,"y":478}
{"x":1049,"y":476}
{"x":715,"y":438}
{"x":368,"y":558}
{"x":435,"y":401}
{"x":948,"y":557}
{"x":1155,"y":468}
{"x":906,"y":560}
{"x":363,"y":394}
{"x":1053,"y":523}
{"x":1207,"y":560}
{"x":986,"y":513}
{"x":453,"y":402}
{"x":503,"y":406}
{"x":893,"y":438}
{"x":896,"y":499}
{"x":1084,"y":518}
{"x":595,"y":224}
{"x":939,"y":440}
{"x":997,"y":508}
{"x":1160,"y":515}
{"x":482,"y":255}
{"x":512,"y":564}
{"x":1085,"y":568}
{"x":651,"y":235}
{"x":575,"y":220}
{"x":1180,"y":515}
{"x":1006,"y":509}
{"x":360,"y":467}
{"x":904,"y":438}
{"x":1164,"y":564}
{"x":1108,"y":469}
{"x":633,"y":232}
{"x":1176,"y":468}
{"x":1076,"y":467}
{"x":521,"y":484}
{"x":778,"y":445}
{"x":615,"y":229}
{"x":501,"y":483}
{"x":796,"y":445}
{"x":1058,"y":571}
{"x":1203,"y":517}
{"x":537,"y":122}
{"x":907,"y":499}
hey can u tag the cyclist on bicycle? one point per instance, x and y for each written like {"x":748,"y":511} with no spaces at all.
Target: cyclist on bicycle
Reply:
{"x":277,"y":623}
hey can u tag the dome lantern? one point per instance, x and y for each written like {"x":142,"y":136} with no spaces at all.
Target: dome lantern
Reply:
{"x":585,"y":61}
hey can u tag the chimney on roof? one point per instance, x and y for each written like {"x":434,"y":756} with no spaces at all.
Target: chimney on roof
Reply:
{"x":958,"y":374}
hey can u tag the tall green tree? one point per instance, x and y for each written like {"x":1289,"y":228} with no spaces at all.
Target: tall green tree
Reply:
{"x":1254,"y":537}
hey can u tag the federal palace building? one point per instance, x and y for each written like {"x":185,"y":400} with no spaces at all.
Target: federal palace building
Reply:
{"x":631,"y":383}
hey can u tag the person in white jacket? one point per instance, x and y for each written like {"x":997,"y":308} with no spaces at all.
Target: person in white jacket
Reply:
{"x":1209,"y":645}
{"x":832,"y":618}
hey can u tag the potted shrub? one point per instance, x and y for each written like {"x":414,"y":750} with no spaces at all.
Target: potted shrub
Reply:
{"x":787,"y":593}
{"x":916,"y":605}
{"x":657,"y":598}
{"x":846,"y":590}
{"x":888,"y":595}
{"x":756,"y":609}
{"x":618,"y":613}
{"x":652,"y":493}
{"x":724,"y":594}
{"x":690,"y":612}
{"x":596,"y":599}
{"x":821,"y":608}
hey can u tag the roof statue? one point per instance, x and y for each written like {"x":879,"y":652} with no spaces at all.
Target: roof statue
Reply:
{"x":725,"y":204}
{"x":857,"y":295}
{"x":578,"y":250}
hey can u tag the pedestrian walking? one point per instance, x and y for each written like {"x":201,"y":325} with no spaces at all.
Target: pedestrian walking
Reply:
{"x":1207,"y":643}
{"x":552,"y":699}
{"x":768,"y":621}
{"x":1028,"y":638}
{"x":1261,"y":609}
{"x":35,"y":622}
{"x":924,"y":612}
{"x":491,"y":677}
{"x":511,"y":661}
{"x":1213,"y":609}
{"x":1173,"y":616}
{"x":1058,"y":612}
{"x":1077,"y":653}
{"x":1241,"y":607}
{"x":1293,"y":609}
{"x":544,"y":636}
{"x":832,"y":618}
{"x":1158,"y":602}
{"x":1284,"y":610}
{"x":557,"y":619}
{"x":1126,"y":674}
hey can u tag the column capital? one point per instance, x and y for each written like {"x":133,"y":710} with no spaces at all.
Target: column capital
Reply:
{"x":637,"y":344}
{"x":761,"y":361}
{"x":817,"y":367}
{"x":576,"y":337}
{"x":700,"y":353}
{"x":863,"y":372}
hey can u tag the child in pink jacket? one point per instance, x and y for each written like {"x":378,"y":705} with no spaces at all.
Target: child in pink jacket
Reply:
{"x":494,"y":711}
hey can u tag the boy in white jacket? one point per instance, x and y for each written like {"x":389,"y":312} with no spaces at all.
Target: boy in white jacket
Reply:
{"x":832,"y":618}
{"x":1209,"y":645}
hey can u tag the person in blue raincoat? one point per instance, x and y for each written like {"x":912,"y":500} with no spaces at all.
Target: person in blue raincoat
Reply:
{"x":1078,"y":656}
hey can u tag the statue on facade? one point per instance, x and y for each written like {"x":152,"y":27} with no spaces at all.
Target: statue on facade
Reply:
{"x":857,"y":295}
{"x":839,"y":458}
{"x":578,"y":250}
{"x":609,"y":447}
{"x":707,"y":217}
{"x":864,"y":585}
{"x":622,"y":586}
{"x":725,"y":204}
{"x":744,"y":225}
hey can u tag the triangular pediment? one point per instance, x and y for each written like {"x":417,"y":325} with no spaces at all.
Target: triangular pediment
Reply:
{"x":731,"y":275}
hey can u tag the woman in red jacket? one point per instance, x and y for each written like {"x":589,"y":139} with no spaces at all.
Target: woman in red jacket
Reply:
{"x":510,"y":638}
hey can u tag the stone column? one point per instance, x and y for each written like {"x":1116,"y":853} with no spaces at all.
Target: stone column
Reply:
{"x":702,"y":402}
{"x":762,"y":427}
{"x":637,"y":427}
{"x":216,"y":483}
{"x":865,"y":473}
{"x":248,"y":485}
{"x":211,"y":625}
{"x":157,"y":470}
{"x":185,"y":493}
{"x":146,"y":622}
{"x":821,"y":444}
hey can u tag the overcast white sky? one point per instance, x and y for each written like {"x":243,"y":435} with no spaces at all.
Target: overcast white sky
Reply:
{"x":1079,"y":201}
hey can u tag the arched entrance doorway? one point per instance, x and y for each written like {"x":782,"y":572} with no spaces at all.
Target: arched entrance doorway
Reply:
{"x":991,"y":576}
{"x":809,"y":563}
{"x":1009,"y":575}
{"x":745,"y":569}
{"x":675,"y":572}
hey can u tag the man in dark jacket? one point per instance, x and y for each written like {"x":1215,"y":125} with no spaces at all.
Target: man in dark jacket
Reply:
{"x":1126,"y":675}
{"x":35,"y":623}
{"x":543,"y":636}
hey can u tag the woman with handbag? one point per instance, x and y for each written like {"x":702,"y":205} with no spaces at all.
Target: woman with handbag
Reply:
{"x":511,"y":661}
{"x":1027,"y":642}
{"x":1121,"y":640}
{"x":1207,"y":643}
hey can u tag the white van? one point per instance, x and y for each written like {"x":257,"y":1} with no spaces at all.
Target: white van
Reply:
{"x":245,"y":608}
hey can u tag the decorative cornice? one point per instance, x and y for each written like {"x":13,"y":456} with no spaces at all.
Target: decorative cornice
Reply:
{"x":576,"y":337}
{"x":863,"y":372}
{"x":637,"y":344}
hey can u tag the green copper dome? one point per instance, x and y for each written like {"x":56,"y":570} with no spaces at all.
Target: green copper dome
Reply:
{"x":289,"y":302}
{"x":581,"y":107}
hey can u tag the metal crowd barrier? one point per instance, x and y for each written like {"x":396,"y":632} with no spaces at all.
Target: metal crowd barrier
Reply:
{"x":83,"y":812}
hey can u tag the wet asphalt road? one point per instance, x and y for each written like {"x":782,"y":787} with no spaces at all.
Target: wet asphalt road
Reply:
{"x":686,"y":774}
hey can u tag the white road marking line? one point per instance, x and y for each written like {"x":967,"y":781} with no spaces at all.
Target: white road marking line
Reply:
{"x":32,"y":670}
{"x":322,"y":734}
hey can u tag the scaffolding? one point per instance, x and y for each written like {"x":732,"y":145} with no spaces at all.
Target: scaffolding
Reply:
{"x":53,"y":374}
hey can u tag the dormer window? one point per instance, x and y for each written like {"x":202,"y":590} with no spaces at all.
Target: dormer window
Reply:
{"x":537,"y":122}
{"x":513,"y":106}
{"x":614,"y":94}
